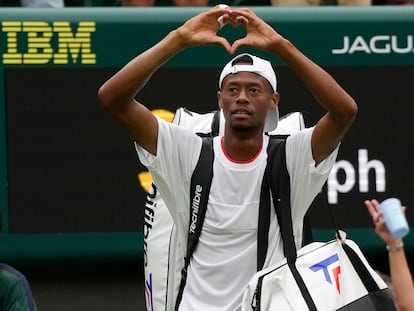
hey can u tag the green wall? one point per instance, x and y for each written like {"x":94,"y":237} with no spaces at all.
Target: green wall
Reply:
{"x":109,"y":37}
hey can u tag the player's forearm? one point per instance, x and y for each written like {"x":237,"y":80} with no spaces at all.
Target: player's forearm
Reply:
{"x":323,"y":86}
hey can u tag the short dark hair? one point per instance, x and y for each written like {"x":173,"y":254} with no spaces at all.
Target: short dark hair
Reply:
{"x":242,"y":59}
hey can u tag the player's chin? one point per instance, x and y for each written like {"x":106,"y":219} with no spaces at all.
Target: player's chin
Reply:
{"x":241,"y":126}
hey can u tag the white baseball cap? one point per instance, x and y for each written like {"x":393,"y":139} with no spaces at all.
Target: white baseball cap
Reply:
{"x":263,"y":68}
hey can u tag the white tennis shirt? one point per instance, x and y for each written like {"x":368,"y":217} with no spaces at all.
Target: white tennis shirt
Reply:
{"x":225,"y":257}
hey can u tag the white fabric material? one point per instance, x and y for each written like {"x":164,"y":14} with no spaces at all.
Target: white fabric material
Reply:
{"x":260,"y":66}
{"x":195,"y":122}
{"x":157,"y":229}
{"x":289,"y":124}
{"x":177,"y":155}
{"x":331,"y":286}
{"x":157,"y":233}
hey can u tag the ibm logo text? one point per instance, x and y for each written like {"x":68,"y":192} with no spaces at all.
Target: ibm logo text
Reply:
{"x":38,"y":42}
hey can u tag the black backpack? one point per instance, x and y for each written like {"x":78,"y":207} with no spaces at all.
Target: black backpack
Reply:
{"x":275,"y":182}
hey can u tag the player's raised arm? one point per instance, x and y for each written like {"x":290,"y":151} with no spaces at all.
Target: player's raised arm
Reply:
{"x":340,"y":106}
{"x":117,"y":94}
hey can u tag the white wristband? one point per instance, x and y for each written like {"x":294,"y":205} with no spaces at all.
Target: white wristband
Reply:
{"x":396,"y":248}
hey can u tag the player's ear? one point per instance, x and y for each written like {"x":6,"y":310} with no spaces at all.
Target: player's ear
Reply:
{"x":219,"y":100}
{"x":275,"y":100}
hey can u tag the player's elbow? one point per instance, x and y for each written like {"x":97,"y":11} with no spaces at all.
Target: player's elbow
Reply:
{"x":349,"y":112}
{"x":353,"y":110}
{"x":104,"y":96}
{"x":110,"y":102}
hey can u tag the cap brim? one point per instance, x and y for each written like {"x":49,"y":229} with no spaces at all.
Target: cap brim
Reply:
{"x":272,"y":119}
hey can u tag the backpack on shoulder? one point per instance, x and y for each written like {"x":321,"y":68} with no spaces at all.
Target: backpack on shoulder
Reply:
{"x":200,"y":189}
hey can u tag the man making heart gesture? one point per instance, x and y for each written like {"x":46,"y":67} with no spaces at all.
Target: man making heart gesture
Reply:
{"x":226,"y":254}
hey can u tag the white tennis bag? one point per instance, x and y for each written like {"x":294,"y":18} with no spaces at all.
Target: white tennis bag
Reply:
{"x":324,"y":277}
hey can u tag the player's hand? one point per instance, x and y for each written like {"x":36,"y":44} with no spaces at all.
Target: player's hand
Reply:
{"x":258,"y":33}
{"x":202,"y":29}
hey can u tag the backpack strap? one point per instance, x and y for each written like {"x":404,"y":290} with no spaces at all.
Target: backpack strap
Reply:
{"x":215,"y":124}
{"x":280,"y":188}
{"x":276,"y":182}
{"x":199,"y":192}
{"x":279,"y":181}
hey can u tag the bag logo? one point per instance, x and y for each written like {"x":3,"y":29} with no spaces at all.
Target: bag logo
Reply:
{"x":195,"y":206}
{"x":149,"y":292}
{"x":329,"y":266}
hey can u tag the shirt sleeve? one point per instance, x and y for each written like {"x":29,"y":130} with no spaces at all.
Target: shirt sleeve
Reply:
{"x":178,"y":150}
{"x":306,"y":179}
